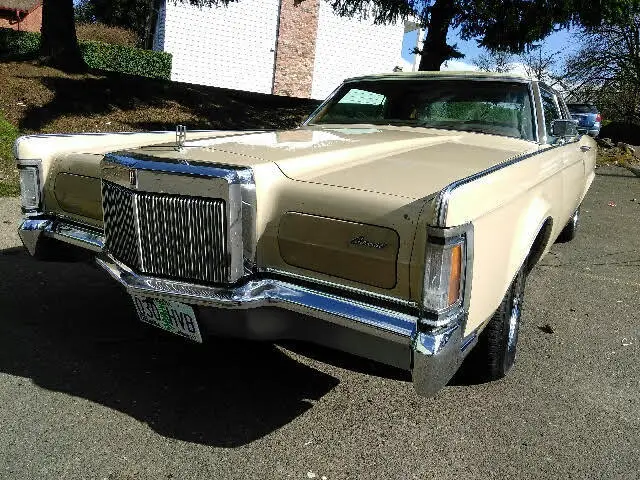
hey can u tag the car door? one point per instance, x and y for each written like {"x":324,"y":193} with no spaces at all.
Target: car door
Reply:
{"x":585,"y":151}
{"x":568,"y":151}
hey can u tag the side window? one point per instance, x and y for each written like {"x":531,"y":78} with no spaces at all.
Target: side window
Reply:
{"x":551,"y":111}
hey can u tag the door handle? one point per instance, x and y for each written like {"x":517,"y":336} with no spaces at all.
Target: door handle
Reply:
{"x":585,"y":148}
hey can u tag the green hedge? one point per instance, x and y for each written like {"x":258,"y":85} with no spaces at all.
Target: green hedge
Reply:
{"x":14,"y":44}
{"x":97,"y":55}
{"x":134,"y":61}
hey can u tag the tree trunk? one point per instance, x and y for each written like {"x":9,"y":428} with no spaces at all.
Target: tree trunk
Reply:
{"x":435,"y":50}
{"x":59,"y":43}
{"x":147,"y":42}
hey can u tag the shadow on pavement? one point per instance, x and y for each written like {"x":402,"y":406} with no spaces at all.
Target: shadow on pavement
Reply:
{"x":70,"y":329}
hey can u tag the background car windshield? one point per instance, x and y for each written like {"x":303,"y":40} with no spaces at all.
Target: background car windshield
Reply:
{"x":500,"y":108}
{"x":582,"y":108}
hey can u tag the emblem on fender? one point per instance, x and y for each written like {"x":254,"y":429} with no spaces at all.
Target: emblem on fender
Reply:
{"x":363,"y":242}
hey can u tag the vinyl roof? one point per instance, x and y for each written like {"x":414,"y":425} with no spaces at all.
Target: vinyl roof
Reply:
{"x":444,"y":74}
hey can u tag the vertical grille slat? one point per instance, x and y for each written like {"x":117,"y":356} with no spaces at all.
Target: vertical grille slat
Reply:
{"x":177,"y":237}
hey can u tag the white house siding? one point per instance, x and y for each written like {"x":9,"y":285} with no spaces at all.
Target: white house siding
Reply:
{"x":350,"y":47}
{"x":229,"y":47}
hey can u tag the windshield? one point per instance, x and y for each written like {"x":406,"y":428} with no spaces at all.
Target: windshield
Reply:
{"x":494,"y":107}
{"x":582,"y":108}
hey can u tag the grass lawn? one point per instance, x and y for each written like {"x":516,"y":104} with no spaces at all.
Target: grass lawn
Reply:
{"x":34,"y":99}
{"x":8,"y":173}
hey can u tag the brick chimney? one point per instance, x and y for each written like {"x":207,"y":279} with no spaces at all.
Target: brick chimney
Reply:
{"x":296,"y":47}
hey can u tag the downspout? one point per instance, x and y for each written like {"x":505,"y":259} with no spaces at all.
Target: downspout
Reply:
{"x":275,"y":50}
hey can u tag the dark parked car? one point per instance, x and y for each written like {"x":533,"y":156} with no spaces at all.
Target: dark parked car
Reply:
{"x":587,"y":116}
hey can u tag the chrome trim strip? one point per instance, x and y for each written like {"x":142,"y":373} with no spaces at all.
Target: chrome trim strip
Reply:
{"x":346,"y":288}
{"x":442,"y":201}
{"x":534,"y":105}
{"x":142,"y":162}
{"x":263,"y":293}
{"x":322,"y":105}
{"x":32,"y":228}
{"x":77,"y":236}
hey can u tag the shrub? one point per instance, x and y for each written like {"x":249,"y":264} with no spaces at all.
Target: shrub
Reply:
{"x":15,"y":44}
{"x":100,"y":32}
{"x":97,"y":55}
{"x":134,"y":61}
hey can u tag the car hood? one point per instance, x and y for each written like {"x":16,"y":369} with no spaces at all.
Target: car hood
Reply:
{"x":403,"y":161}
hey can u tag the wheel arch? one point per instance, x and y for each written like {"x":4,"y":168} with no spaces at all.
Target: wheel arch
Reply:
{"x":539,"y":245}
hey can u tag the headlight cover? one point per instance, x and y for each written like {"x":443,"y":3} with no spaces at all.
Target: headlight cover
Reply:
{"x":29,"y":187}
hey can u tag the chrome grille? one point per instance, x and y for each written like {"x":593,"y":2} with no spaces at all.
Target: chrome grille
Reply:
{"x":119,"y":224}
{"x":166,"y":235}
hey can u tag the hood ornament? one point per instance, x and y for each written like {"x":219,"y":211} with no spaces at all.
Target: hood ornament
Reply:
{"x":133,"y":178}
{"x":181,"y":136}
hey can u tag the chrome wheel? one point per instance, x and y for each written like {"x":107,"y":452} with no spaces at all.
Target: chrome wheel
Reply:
{"x":571,"y":228}
{"x":575,"y":218}
{"x":516,"y":312}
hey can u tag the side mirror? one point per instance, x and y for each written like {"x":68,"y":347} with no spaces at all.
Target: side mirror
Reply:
{"x":564,"y":128}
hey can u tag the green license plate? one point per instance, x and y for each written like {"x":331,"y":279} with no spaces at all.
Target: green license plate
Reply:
{"x":174,"y":317}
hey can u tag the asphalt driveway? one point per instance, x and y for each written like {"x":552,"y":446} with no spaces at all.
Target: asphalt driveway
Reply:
{"x":86,"y":391}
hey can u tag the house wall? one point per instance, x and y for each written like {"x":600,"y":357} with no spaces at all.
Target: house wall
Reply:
{"x":296,"y":50}
{"x":229,"y":47}
{"x":348,"y":47}
{"x":32,"y":22}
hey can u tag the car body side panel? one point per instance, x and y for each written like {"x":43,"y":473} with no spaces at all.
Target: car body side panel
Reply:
{"x":508,"y":209}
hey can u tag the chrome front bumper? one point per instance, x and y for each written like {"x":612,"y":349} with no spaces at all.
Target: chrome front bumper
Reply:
{"x":272,"y":309}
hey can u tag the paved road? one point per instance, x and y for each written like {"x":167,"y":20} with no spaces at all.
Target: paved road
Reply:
{"x":88,"y":392}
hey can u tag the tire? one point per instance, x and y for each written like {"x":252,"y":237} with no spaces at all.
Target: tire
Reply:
{"x":496,"y":349}
{"x":571,"y":229}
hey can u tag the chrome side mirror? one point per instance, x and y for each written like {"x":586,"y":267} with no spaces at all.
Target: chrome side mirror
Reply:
{"x":564,"y":128}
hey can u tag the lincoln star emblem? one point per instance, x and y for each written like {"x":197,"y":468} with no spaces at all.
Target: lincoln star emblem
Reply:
{"x":363,"y":242}
{"x":133,"y":178}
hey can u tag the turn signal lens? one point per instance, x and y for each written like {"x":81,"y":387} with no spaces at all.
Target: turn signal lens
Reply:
{"x":454,"y":276}
{"x":29,"y":188}
{"x":443,"y":275}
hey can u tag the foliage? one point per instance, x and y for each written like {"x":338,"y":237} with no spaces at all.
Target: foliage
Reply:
{"x":97,"y":55}
{"x":606,"y":69}
{"x":134,"y":61}
{"x":540,"y":63}
{"x":104,"y":33}
{"x":498,"y":61}
{"x":15,"y":44}
{"x":8,"y":174}
{"x":496,"y":25}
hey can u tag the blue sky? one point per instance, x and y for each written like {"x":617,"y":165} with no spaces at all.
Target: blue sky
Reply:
{"x":558,"y":41}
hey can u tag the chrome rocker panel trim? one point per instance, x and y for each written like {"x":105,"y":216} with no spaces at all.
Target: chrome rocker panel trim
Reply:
{"x":433,"y":356}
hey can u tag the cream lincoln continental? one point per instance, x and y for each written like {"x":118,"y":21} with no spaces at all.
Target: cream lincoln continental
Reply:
{"x":398,"y":223}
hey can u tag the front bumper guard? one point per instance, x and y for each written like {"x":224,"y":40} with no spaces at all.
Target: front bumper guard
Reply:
{"x":432,"y":355}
